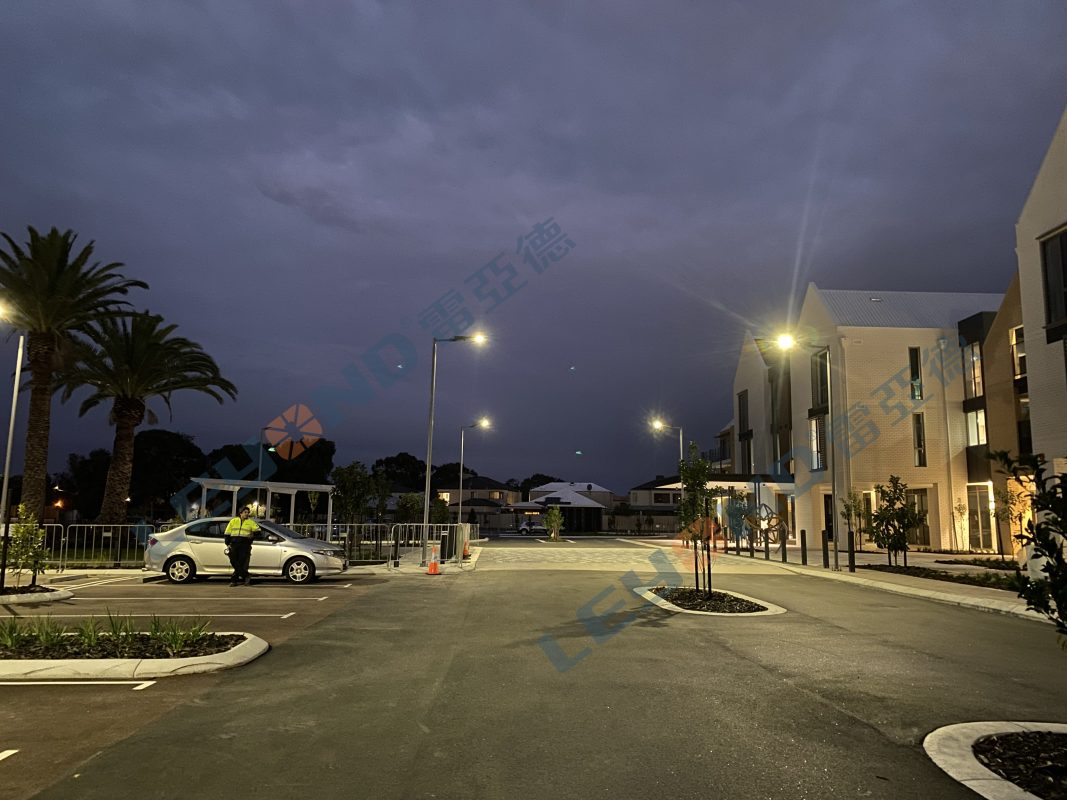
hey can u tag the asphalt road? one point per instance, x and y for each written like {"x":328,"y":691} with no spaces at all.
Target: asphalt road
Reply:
{"x":549,"y":684}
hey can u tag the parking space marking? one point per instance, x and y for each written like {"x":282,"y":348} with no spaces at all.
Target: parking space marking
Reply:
{"x":546,"y":541}
{"x":238,"y":599}
{"x":137,"y":687}
{"x":203,"y":613}
{"x":103,"y":581}
{"x":7,"y":754}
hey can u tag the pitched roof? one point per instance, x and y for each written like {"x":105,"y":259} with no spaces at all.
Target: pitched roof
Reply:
{"x":566,"y":496}
{"x":872,"y":309}
{"x":576,"y":486}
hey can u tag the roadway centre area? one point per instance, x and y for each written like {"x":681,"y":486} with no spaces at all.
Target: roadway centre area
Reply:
{"x":48,"y":727}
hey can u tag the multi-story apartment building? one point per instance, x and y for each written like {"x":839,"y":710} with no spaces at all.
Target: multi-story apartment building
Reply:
{"x":877,"y":385}
{"x":1041,"y":249}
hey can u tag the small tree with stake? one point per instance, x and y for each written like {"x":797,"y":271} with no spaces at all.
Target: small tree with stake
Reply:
{"x":894,"y":517}
{"x":1043,"y":539}
{"x":692,"y":511}
{"x":553,"y":518}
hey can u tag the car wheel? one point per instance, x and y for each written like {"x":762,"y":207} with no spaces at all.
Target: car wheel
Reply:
{"x":299,"y":570}
{"x":180,"y":569}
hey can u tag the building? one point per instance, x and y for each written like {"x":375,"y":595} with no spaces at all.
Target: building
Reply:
{"x":1041,"y":249}
{"x":877,"y":389}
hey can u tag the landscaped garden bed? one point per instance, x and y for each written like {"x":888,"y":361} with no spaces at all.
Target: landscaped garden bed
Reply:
{"x":1034,"y":760}
{"x":43,"y":638}
{"x":987,"y":563}
{"x":992,"y":580}
{"x":698,"y":600}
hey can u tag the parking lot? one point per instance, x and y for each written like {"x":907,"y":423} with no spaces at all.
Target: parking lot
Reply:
{"x":49,"y":727}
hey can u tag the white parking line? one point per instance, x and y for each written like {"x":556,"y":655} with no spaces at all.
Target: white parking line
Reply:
{"x":239,"y":599}
{"x":101,"y":582}
{"x":137,"y":687}
{"x":202,"y":613}
{"x":6,"y":754}
{"x":547,"y":541}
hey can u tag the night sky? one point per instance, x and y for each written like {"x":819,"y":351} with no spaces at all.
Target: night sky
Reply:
{"x":299,"y":182}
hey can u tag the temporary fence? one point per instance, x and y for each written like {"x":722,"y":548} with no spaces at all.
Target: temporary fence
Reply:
{"x":83,"y":545}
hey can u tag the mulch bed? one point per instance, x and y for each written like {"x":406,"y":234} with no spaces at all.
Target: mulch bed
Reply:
{"x":139,"y":645}
{"x":991,"y":580}
{"x":1007,"y":564}
{"x":1035,"y":761}
{"x":25,"y":590}
{"x":697,"y":600}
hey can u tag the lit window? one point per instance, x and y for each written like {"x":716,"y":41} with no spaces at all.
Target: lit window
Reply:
{"x":1018,"y":352}
{"x":972,"y":370}
{"x":919,"y":436}
{"x":915,"y":366}
{"x":817,"y":442}
{"x":976,"y":427}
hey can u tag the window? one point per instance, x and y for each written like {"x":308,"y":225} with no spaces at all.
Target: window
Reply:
{"x":745,"y":447}
{"x":915,"y":365}
{"x":1018,"y":352}
{"x":972,"y":370}
{"x":918,"y":427}
{"x":742,"y":411}
{"x":820,"y":392}
{"x":920,"y":535}
{"x":817,"y":442}
{"x":1054,"y":271}
{"x":1022,"y":416}
{"x":661,"y":497}
{"x":978,"y":512}
{"x":976,"y":427}
{"x":206,"y":529}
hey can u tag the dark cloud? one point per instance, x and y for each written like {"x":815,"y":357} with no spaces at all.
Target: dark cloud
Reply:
{"x":335,"y":168}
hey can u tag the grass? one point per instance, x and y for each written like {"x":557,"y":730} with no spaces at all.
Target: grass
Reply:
{"x":44,"y":638}
{"x":1007,"y":564}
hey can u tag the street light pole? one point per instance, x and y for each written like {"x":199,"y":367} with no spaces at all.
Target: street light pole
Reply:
{"x":482,"y":423}
{"x":477,"y":338}
{"x":7,"y":465}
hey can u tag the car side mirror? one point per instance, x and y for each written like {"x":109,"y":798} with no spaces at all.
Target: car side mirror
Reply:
{"x":273,"y":538}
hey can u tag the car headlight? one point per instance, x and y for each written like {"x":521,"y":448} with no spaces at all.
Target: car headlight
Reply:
{"x":329,"y":553}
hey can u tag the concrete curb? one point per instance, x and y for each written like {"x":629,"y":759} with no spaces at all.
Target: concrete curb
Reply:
{"x":950,"y":748}
{"x":125,"y":668}
{"x":35,"y":598}
{"x":1015,"y":608}
{"x":771,"y":609}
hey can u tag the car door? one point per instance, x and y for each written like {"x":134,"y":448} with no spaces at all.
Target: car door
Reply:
{"x":208,"y":545}
{"x":266,"y":554}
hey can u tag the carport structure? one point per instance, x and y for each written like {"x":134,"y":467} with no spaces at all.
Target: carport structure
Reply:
{"x":272,"y":488}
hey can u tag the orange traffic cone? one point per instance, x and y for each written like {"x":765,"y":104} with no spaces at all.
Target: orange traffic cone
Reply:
{"x":434,"y":567}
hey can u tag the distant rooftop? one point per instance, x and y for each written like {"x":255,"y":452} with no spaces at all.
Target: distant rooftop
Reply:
{"x":868,"y":309}
{"x":575,"y":486}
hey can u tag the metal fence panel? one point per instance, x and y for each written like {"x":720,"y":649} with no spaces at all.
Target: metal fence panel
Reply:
{"x":103,"y":546}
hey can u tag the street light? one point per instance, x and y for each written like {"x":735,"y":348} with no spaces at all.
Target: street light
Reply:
{"x":7,"y":464}
{"x":660,"y":425}
{"x":482,"y":423}
{"x":478,"y":339}
{"x":787,"y":342}
{"x":259,"y":472}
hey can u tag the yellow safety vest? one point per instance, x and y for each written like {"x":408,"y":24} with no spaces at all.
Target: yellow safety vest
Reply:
{"x":239,"y":527}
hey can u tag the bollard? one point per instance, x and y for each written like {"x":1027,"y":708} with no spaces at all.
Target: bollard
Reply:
{"x":825,"y":550}
{"x":784,"y":539}
{"x":803,"y":547}
{"x":851,"y":551}
{"x":751,"y":545}
{"x":766,"y":545}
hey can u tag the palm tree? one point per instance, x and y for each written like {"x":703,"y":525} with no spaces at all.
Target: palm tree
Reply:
{"x":53,"y":292}
{"x":129,"y":361}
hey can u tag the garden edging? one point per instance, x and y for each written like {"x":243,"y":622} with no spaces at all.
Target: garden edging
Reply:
{"x":125,"y":668}
{"x":770,"y":608}
{"x":29,"y":598}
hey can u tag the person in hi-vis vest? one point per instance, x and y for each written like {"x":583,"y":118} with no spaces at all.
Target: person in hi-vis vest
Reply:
{"x":239,"y":533}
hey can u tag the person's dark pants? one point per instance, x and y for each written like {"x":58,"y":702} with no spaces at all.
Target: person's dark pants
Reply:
{"x":240,"y":555}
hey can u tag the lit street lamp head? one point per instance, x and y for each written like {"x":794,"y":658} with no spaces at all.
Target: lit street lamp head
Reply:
{"x":786,"y":342}
{"x":484,"y":422}
{"x":657,"y":424}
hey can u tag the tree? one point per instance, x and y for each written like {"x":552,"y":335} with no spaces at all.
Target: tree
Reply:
{"x":313,"y":465}
{"x":439,"y":511}
{"x":53,"y":294}
{"x":1043,"y":539}
{"x":695,"y":472}
{"x":403,"y":469}
{"x":409,"y":507}
{"x":446,"y":476}
{"x":894,"y":517}
{"x":84,"y":479}
{"x":381,"y":491}
{"x":535,"y":480}
{"x":130,"y":361}
{"x":353,"y":490}
{"x":553,"y":518}
{"x":163,"y":463}
{"x":852,"y":509}
{"x":28,"y":550}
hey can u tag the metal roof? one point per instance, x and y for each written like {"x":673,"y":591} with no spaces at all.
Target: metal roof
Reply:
{"x":869,"y":309}
{"x":575,"y":486}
